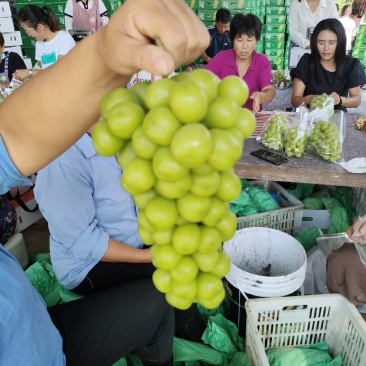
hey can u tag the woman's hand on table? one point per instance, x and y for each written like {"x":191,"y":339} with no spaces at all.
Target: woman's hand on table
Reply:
{"x":21,"y":74}
{"x":360,"y":226}
{"x":336,"y":97}
{"x":256,"y":96}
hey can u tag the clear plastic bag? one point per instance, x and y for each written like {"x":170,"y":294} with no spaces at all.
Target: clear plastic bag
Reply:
{"x":322,"y":107}
{"x":296,"y":134}
{"x":272,"y":134}
{"x":327,"y":137}
{"x":359,"y":239}
{"x":282,"y":79}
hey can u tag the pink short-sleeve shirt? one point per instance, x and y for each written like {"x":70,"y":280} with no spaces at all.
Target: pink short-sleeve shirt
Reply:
{"x":258,"y":76}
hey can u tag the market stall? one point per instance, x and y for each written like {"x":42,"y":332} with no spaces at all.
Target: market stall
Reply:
{"x":308,"y":169}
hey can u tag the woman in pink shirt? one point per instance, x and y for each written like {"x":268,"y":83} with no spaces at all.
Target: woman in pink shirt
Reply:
{"x":243,"y":61}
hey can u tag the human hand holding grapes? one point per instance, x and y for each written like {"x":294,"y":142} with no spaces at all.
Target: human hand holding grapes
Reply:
{"x":183,"y":35}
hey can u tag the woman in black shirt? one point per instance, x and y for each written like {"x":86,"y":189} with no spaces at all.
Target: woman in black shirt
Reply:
{"x":9,"y":63}
{"x":328,"y":69}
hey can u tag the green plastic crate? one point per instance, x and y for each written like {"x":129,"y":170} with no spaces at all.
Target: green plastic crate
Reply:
{"x":193,"y":4}
{"x":360,"y":43}
{"x":276,"y":19}
{"x":275,"y":2}
{"x":209,"y":4}
{"x":206,"y":15}
{"x":276,"y":63}
{"x":274,"y":53}
{"x":359,"y":52}
{"x":274,"y":28}
{"x":22,"y":3}
{"x":233,"y":4}
{"x":275,"y":10}
{"x":57,"y":7}
{"x":274,"y":44}
{"x":361,"y":29}
{"x":253,"y":4}
{"x":273,"y":37}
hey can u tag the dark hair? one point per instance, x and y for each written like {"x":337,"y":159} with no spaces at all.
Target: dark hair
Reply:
{"x":2,"y":41}
{"x":32,"y":15}
{"x":248,"y":24}
{"x":223,"y":16}
{"x":344,"y":9}
{"x":335,"y":26}
{"x":355,"y":11}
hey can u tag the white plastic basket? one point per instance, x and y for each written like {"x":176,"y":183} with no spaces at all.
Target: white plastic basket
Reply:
{"x":304,"y":320}
{"x":287,"y":219}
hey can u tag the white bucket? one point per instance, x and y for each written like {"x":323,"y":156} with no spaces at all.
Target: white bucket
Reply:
{"x":265,"y":262}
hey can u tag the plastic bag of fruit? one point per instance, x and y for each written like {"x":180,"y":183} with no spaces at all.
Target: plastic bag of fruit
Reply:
{"x":322,"y":107}
{"x":359,"y":238}
{"x":327,"y":137}
{"x":281,"y":79}
{"x":272,"y":134}
{"x":296,"y":134}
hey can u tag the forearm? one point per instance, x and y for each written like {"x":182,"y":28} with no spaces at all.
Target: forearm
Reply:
{"x":49,"y":119}
{"x":351,"y":102}
{"x":205,"y":58}
{"x":120,"y":252}
{"x":50,"y":112}
{"x":296,"y":101}
{"x":267,"y":95}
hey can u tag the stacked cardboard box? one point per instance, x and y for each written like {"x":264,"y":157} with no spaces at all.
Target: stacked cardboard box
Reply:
{"x":13,"y":39}
{"x":359,"y":46}
{"x":274,"y":33}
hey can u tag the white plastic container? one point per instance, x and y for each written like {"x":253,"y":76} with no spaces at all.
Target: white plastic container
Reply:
{"x":265,"y":262}
{"x":16,"y":246}
{"x":287,"y":219}
{"x":304,"y":320}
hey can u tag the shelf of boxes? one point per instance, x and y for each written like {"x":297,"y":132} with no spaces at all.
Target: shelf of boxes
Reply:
{"x":12,"y":38}
{"x":359,"y":46}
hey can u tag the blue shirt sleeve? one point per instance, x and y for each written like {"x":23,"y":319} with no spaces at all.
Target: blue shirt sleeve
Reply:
{"x":28,"y":336}
{"x":9,"y":175}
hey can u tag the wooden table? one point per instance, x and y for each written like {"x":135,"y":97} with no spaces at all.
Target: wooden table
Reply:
{"x":307,"y":169}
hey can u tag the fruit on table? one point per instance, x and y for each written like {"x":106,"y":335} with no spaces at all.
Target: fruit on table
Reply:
{"x":325,"y":138}
{"x":273,"y":134}
{"x":177,"y":141}
{"x":295,"y":141}
{"x":319,"y":101}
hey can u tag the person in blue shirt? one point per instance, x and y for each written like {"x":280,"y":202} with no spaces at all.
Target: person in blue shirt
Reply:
{"x":219,"y":39}
{"x":94,"y":242}
{"x":101,"y":328}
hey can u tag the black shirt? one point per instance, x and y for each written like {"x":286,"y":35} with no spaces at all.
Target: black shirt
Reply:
{"x":15,"y":63}
{"x":328,"y":82}
{"x":218,"y":42}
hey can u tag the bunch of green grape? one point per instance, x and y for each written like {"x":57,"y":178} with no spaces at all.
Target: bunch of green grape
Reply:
{"x":319,"y":101}
{"x":295,"y":141}
{"x":325,"y":137}
{"x":273,"y":133}
{"x":177,"y":141}
{"x":278,"y":76}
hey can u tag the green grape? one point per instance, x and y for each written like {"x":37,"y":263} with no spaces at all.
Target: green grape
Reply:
{"x":319,"y":101}
{"x":178,"y":167}
{"x":295,"y":141}
{"x":272,"y":136}
{"x":325,"y":138}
